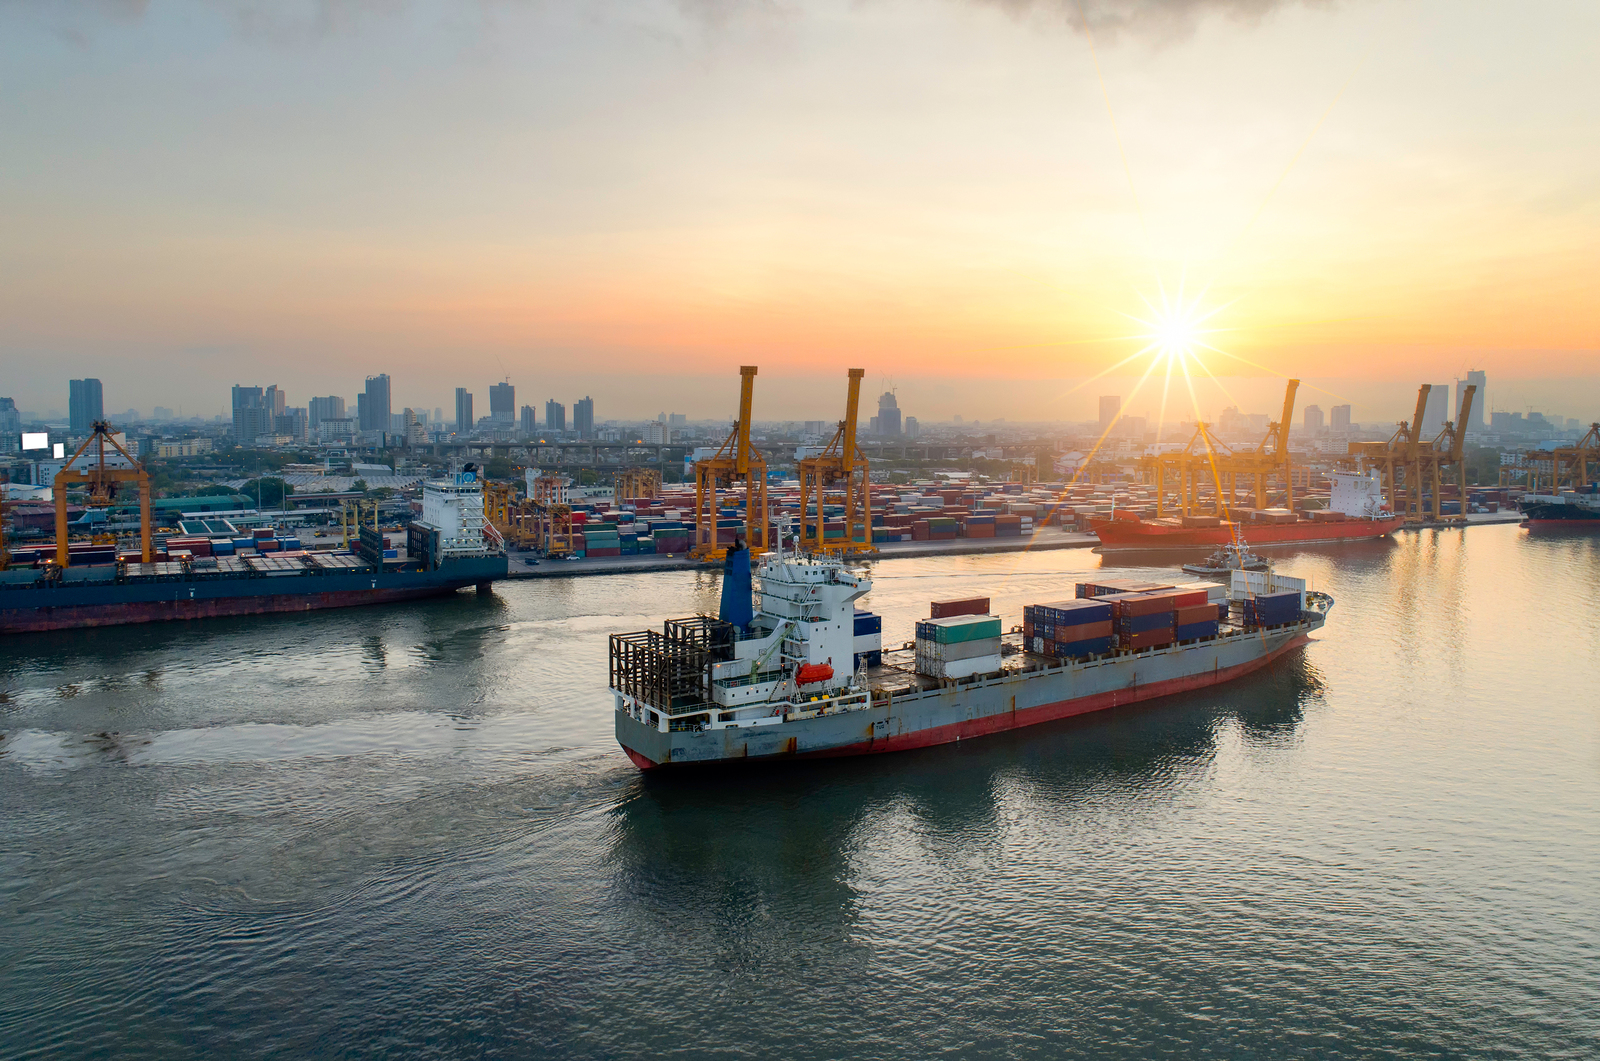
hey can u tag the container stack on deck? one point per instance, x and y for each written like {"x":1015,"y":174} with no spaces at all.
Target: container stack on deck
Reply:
{"x":1068,"y":629}
{"x":869,"y":639}
{"x":959,"y":646}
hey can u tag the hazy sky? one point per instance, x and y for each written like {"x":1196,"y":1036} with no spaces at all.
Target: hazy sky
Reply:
{"x":631,"y":199}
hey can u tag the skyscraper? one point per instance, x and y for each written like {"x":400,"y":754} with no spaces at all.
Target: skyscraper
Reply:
{"x":1480,"y":400}
{"x":85,"y":404}
{"x":1340,"y":418}
{"x":292,"y":422}
{"x":10,"y":426}
{"x":1110,"y":409}
{"x":375,"y":410}
{"x":329,"y":408}
{"x":275,"y":400}
{"x":888,"y":414}
{"x":464,"y":419}
{"x":555,"y":416}
{"x":1437,"y":411}
{"x":583,"y":417}
{"x":530,"y":421}
{"x":250,"y":414}
{"x":1313,"y":419}
{"x":503,"y":404}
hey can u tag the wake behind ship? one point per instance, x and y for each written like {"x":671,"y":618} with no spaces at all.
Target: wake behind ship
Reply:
{"x":450,"y":548}
{"x":806,"y":674}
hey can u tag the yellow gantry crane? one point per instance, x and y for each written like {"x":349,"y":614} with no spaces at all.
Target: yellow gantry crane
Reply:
{"x":1407,"y":463}
{"x":1207,"y":457}
{"x":734,"y":461}
{"x":101,"y":482}
{"x":1564,"y":467}
{"x":839,"y":471}
{"x":637,"y":484}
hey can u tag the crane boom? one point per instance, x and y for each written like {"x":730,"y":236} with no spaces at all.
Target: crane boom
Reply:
{"x":747,"y":386}
{"x":851,"y":408}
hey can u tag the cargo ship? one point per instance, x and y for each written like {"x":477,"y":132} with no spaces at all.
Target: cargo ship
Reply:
{"x":1356,"y":511}
{"x":450,"y":548}
{"x":803,"y":673}
{"x":1579,"y":509}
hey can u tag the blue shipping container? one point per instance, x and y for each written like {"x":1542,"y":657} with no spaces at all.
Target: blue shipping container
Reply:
{"x":1140,"y":624}
{"x":1092,"y":647}
{"x":868,"y":623}
{"x":1194,"y":631}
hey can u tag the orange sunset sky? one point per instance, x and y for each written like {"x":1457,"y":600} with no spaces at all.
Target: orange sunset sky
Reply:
{"x":631,"y":199}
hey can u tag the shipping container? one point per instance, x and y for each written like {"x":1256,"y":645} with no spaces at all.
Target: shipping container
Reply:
{"x":955,"y":629}
{"x":943,"y":609}
{"x":1197,"y":630}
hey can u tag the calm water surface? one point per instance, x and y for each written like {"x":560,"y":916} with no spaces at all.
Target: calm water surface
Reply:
{"x":409,"y":832}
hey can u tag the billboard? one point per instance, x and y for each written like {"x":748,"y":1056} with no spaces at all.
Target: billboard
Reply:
{"x":35,"y":440}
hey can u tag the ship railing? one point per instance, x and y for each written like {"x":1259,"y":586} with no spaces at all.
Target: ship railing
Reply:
{"x":750,"y":679}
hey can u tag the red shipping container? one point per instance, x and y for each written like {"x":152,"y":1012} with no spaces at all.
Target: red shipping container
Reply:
{"x":1083,"y":631}
{"x":613,"y":551}
{"x":980,"y":530}
{"x":1149,"y":639}
{"x":1199,"y":613}
{"x":1192,"y":598}
{"x":944,"y":609}
{"x":1131,"y":605}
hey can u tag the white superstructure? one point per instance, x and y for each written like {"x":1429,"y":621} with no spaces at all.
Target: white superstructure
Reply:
{"x":454,"y":508}
{"x":1357,"y":495}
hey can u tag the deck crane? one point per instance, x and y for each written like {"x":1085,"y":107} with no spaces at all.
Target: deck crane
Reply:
{"x":101,"y":481}
{"x":840,"y":469}
{"x":734,"y":461}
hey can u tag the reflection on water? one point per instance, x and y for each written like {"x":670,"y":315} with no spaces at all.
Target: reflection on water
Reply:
{"x":408,"y":831}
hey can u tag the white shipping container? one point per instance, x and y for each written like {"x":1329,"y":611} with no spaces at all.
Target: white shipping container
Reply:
{"x":1247,"y":584}
{"x":986,"y":646}
{"x":961,"y":668}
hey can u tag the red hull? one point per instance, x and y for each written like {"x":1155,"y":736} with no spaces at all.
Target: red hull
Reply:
{"x":1009,"y":720}
{"x":77,"y":617}
{"x":1136,"y":534}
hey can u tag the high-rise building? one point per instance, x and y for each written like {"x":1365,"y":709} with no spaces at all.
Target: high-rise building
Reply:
{"x":1480,"y":399}
{"x":583,"y":417}
{"x":1313,"y":416}
{"x":375,"y":410}
{"x":555,"y":416}
{"x":464,"y":419}
{"x":161,"y":412}
{"x":913,"y":429}
{"x":677,"y":419}
{"x":1437,"y":411}
{"x":503,"y":404}
{"x":85,"y":404}
{"x":888,"y":414}
{"x":1340,"y":418}
{"x":329,"y":408}
{"x":438,"y":415}
{"x":10,"y":426}
{"x":1110,"y":409}
{"x":292,"y":422}
{"x":529,"y":424}
{"x":276,"y":401}
{"x":251,"y":416}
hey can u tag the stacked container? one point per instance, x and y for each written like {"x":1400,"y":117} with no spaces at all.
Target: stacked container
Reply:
{"x":959,"y":646}
{"x":944,"y":609}
{"x":1068,"y":629}
{"x":1272,"y":609}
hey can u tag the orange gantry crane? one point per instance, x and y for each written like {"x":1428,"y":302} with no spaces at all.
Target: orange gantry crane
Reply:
{"x":1564,"y":467}
{"x":735,"y":461}
{"x":840,"y":472}
{"x":637,"y":484}
{"x":101,"y":481}
{"x":1208,"y":458}
{"x":1407,"y":464}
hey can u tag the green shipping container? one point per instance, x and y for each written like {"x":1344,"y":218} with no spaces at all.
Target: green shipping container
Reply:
{"x":958,"y":628}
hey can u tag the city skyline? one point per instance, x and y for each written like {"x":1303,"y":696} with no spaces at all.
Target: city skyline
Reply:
{"x":1393,"y":211}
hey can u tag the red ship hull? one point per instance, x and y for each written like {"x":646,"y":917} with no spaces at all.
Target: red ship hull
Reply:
{"x":1122,"y":534}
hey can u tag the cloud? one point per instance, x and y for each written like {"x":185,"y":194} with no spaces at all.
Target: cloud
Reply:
{"x":1163,"y":19}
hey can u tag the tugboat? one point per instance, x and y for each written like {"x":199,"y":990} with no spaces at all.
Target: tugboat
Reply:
{"x":1224,"y":562}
